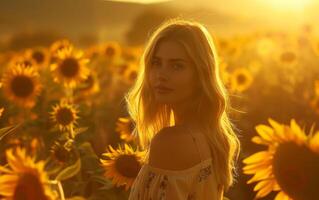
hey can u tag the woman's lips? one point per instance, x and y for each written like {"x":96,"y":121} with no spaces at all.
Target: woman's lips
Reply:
{"x":163,"y":90}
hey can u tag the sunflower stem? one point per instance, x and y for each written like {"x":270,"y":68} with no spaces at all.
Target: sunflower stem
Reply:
{"x":69,"y":93}
{"x":61,"y":190}
{"x":72,"y":132}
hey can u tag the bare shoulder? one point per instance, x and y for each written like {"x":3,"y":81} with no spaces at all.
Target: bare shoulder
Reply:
{"x":172,"y":149}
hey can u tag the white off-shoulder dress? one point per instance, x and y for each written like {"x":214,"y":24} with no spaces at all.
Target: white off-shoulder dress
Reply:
{"x":197,"y":182}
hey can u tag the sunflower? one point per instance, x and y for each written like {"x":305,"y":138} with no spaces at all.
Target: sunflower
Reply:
{"x":64,"y":115}
{"x":123,"y":165}
{"x":285,"y":167}
{"x":111,"y":50}
{"x":24,"y":179}
{"x":21,"y":85}
{"x":31,"y":145}
{"x":131,"y":54}
{"x":131,"y":75}
{"x":90,"y":85}
{"x":129,"y":72}
{"x":288,"y":57}
{"x":22,"y":59}
{"x":39,"y":55}
{"x":60,"y":153}
{"x":125,"y":126}
{"x":59,"y":46}
{"x":70,"y":67}
{"x":222,"y":44}
{"x":92,"y":52}
{"x":240,"y":79}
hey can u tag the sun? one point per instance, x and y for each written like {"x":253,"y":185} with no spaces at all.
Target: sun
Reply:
{"x":289,"y":4}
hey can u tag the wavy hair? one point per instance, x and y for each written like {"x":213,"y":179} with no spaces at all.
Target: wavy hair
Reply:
{"x":150,"y":117}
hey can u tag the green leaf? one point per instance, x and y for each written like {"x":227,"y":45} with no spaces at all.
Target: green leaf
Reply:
{"x":69,"y":171}
{"x":102,"y":180}
{"x":80,"y":130}
{"x":86,"y":148}
{"x":9,"y":129}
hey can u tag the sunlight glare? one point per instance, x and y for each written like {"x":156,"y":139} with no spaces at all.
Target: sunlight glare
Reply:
{"x":289,"y":4}
{"x":140,"y":1}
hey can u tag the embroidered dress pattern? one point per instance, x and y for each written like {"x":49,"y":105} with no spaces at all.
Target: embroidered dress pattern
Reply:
{"x":151,"y":176}
{"x":161,"y":184}
{"x":204,"y":173}
{"x":163,"y":187}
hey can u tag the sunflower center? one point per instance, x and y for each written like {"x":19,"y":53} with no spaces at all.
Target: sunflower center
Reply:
{"x":60,"y":153}
{"x":295,"y":168}
{"x":69,"y":67}
{"x":110,"y":51}
{"x":128,"y":166}
{"x":64,"y":116}
{"x":38,"y":56}
{"x":22,"y":86}
{"x":29,"y":187}
{"x":241,"y":79}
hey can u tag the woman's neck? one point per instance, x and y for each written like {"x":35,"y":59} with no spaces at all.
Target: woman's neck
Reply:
{"x":185,"y":113}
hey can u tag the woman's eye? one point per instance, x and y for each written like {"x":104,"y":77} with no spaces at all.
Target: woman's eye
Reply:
{"x":177,"y":66}
{"x":155,"y":63}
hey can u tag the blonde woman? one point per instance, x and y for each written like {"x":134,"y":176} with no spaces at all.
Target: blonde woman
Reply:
{"x":179,"y":106}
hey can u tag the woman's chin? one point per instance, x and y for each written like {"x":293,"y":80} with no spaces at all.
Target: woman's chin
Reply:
{"x":163,"y":99}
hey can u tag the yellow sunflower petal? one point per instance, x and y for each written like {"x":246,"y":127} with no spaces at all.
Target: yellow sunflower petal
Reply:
{"x":257,"y":157}
{"x":259,"y":140}
{"x":252,"y":168}
{"x":314,"y":142}
{"x":261,"y":175}
{"x":282,"y":196}
{"x":264,"y":187}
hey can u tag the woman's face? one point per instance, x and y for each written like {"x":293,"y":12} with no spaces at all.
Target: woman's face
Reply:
{"x":171,"y":67}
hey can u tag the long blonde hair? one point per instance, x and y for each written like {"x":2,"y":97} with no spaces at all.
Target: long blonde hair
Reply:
{"x":150,"y":117}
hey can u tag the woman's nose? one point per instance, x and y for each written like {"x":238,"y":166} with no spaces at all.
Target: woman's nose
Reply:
{"x":163,"y":72}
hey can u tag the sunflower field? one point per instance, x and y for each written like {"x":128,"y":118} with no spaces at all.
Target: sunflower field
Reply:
{"x":65,"y":132}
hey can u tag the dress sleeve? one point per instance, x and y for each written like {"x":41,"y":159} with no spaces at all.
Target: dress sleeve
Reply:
{"x":155,"y":185}
{"x":159,"y":184}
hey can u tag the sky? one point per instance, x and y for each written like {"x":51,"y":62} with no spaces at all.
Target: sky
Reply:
{"x":112,"y":19}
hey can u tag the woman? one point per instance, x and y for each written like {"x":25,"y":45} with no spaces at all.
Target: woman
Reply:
{"x":179,"y":105}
